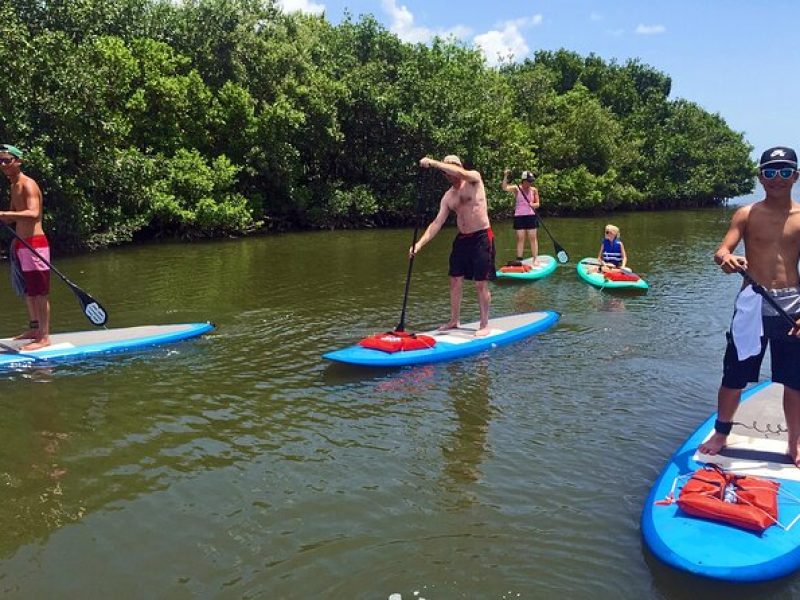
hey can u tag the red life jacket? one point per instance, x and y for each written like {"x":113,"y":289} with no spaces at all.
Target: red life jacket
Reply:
{"x":516,"y":269}
{"x":397,"y":341}
{"x":621,"y":276}
{"x":755,"y":508}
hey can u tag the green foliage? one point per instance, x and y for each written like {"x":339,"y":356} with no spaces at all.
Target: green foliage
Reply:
{"x":194,"y":197}
{"x":151,"y":118}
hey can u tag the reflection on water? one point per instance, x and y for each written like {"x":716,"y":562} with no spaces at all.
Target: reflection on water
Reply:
{"x":464,"y":449}
{"x":241,"y":465}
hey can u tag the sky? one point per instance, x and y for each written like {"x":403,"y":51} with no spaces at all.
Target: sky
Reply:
{"x":739,"y":59}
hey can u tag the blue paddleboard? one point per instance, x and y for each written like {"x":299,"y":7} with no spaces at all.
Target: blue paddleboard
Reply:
{"x":80,"y":344}
{"x":452,"y":343}
{"x":756,"y":446}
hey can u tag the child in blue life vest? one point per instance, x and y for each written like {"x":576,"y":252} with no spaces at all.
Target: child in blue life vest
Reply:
{"x":612,"y":256}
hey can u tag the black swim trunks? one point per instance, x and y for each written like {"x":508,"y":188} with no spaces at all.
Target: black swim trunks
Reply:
{"x":526,"y":222}
{"x":784,"y":354}
{"x":473,"y":255}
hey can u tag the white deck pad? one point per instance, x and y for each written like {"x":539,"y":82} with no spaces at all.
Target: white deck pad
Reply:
{"x":758,"y":441}
{"x":761,"y":457}
{"x":461,"y":335}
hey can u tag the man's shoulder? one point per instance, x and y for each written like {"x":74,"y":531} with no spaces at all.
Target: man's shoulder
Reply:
{"x":29,"y":182}
{"x":744,"y":211}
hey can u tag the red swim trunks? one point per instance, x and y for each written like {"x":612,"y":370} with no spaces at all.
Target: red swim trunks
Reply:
{"x":35,"y":272}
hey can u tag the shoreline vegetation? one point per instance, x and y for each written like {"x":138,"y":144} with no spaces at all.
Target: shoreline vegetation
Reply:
{"x":148,"y":119}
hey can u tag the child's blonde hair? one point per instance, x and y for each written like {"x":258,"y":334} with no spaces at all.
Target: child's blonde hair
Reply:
{"x":613,"y":229}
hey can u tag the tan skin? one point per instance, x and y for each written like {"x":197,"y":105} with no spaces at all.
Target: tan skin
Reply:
{"x":529,"y":192}
{"x":26,"y":214}
{"x":467,"y":198}
{"x":770,"y":230}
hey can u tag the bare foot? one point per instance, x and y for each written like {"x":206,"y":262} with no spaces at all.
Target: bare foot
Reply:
{"x":41,"y":343}
{"x":714,"y":444}
{"x":536,"y":262}
{"x":448,"y":325}
{"x":795,"y":456}
{"x":28,"y":335}
{"x":483,"y":332}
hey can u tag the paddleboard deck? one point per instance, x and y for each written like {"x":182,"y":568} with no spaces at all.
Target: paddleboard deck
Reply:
{"x":547,"y":264}
{"x":79,"y":344}
{"x":452,"y":343}
{"x":585,"y":267}
{"x":756,"y":446}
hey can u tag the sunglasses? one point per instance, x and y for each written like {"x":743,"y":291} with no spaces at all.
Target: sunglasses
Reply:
{"x":6,"y":161}
{"x":609,"y":231}
{"x":785,"y":173}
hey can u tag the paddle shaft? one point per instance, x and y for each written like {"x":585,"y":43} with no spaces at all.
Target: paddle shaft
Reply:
{"x":759,"y":289}
{"x":24,"y":242}
{"x":595,"y":262}
{"x":558,"y":247}
{"x":91,"y":307}
{"x":401,"y":326}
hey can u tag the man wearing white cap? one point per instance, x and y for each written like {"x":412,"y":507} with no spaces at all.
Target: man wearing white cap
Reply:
{"x":472,"y":256}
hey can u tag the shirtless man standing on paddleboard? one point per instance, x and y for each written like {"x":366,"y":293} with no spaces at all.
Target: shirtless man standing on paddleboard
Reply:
{"x":31,"y":277}
{"x":771,"y":233}
{"x":472,"y":256}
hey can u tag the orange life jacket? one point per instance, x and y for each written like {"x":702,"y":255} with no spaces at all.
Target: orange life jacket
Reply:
{"x":516,"y":269}
{"x":397,"y":341}
{"x":755,"y":508}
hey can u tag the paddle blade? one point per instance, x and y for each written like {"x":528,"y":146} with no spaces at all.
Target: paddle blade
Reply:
{"x":562,"y":256}
{"x":96,"y":314}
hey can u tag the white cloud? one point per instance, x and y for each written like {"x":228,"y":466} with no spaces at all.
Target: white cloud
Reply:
{"x":306,"y":6}
{"x":506,"y":42}
{"x":650,"y":29}
{"x":402,"y":25}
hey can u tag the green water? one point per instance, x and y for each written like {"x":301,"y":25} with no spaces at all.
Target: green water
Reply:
{"x":241,"y":465}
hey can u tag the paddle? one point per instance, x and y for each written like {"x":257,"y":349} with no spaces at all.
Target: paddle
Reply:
{"x":91,"y":307}
{"x":401,"y":326}
{"x":561,"y":254}
{"x":597,"y":263}
{"x":759,"y":289}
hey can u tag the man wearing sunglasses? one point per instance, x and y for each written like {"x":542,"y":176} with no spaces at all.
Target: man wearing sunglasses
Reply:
{"x":30,"y":276}
{"x":770,"y":230}
{"x":473,"y":253}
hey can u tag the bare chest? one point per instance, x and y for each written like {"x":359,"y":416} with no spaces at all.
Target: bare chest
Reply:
{"x":770,"y":229}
